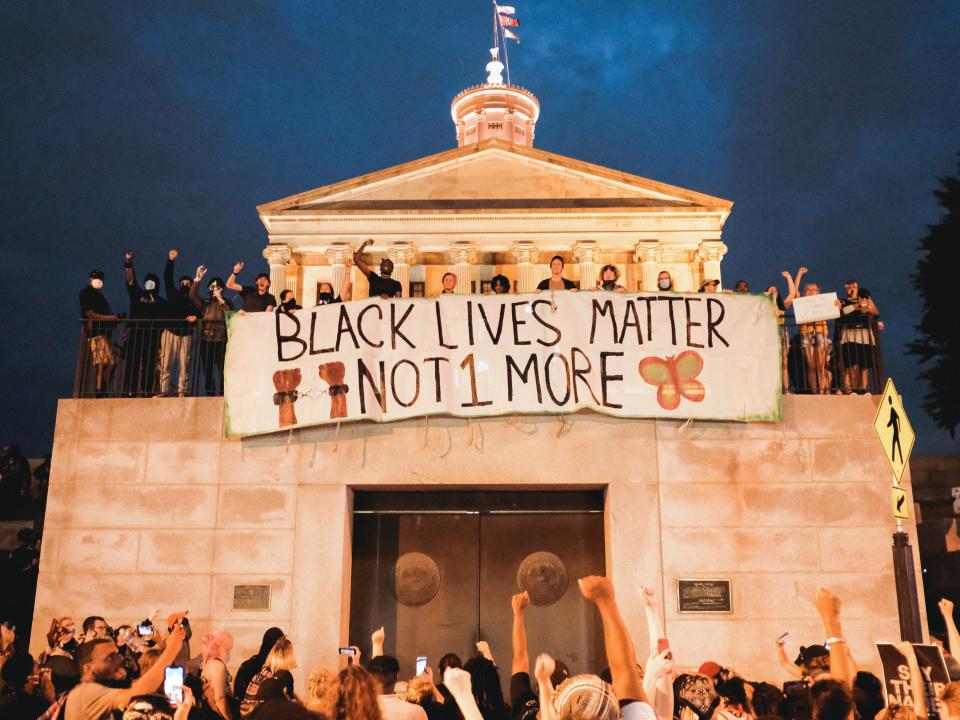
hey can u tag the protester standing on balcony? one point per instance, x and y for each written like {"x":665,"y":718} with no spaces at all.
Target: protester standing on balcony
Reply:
{"x":815,"y":343}
{"x":256,"y":298}
{"x":449,"y":282}
{"x":213,"y":330}
{"x":147,"y":308}
{"x":95,"y":309}
{"x":381,"y":285}
{"x":499,"y":285}
{"x":610,"y":279}
{"x":176,"y":341}
{"x":556,"y":281}
{"x":288,"y":302}
{"x":857,"y":340}
{"x":782,"y":305}
{"x":664,"y":281}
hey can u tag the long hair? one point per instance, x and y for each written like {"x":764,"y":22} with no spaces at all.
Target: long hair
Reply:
{"x":486,"y":688}
{"x":353,"y":696}
{"x":280,"y":656}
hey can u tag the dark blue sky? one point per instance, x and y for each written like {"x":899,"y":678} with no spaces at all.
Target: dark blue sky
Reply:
{"x":151,"y":125}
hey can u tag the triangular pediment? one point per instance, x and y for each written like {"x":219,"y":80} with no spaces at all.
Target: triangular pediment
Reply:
{"x":494,"y":175}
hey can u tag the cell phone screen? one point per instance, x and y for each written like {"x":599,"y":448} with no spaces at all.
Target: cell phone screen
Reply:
{"x":173,"y":684}
{"x":421,"y":664}
{"x":145,"y":630}
{"x":348,"y":651}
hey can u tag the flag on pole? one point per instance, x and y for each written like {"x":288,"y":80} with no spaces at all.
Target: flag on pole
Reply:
{"x":510,"y":35}
{"x":506,"y":9}
{"x":506,"y":21}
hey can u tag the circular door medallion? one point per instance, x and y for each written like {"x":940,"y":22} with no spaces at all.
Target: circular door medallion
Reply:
{"x":544,"y":576}
{"x":416,"y":579}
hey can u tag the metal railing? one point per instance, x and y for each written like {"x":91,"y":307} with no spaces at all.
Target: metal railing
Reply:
{"x":832,"y":358}
{"x":147,"y":358}
{"x":150,"y":358}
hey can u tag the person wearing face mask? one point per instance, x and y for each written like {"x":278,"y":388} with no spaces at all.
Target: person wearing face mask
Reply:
{"x":609,"y":279}
{"x":288,"y":302}
{"x":213,"y":330}
{"x":147,"y":308}
{"x":95,"y":310}
{"x":664,"y":281}
{"x":857,"y":326}
{"x":176,"y":341}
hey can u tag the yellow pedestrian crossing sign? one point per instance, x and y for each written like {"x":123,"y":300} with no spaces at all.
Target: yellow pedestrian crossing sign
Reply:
{"x":901,"y":508}
{"x":894,"y":430}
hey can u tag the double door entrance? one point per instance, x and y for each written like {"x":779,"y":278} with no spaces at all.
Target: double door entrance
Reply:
{"x":437,"y":571}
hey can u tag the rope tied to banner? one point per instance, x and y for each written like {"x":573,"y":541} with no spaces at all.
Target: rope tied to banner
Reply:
{"x":526,"y":428}
{"x":565,"y":426}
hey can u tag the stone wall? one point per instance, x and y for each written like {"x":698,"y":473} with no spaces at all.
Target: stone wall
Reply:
{"x":149,"y":507}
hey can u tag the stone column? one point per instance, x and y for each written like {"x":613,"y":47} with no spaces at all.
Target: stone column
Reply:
{"x":649,"y":253}
{"x":337,"y":256}
{"x":526,"y":255}
{"x":402,"y":254}
{"x":710,"y":253}
{"x":463,"y":255}
{"x":277,"y":257}
{"x":588,"y":255}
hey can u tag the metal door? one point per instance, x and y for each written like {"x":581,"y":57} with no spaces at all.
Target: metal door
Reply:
{"x":438,"y":580}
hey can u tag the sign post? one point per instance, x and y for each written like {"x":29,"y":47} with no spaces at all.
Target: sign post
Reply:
{"x":897,"y":438}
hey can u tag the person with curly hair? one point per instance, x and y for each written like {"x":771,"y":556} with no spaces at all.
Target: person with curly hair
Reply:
{"x":353,"y":695}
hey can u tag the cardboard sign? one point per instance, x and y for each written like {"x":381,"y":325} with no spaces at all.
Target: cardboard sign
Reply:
{"x":897,"y":678}
{"x":811,"y":308}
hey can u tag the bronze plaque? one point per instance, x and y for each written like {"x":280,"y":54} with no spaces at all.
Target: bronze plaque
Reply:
{"x":704,"y":596}
{"x":544,"y":576}
{"x":251,"y":597}
{"x":416,"y":579}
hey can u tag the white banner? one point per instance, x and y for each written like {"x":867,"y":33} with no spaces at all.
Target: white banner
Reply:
{"x":671,"y":355}
{"x":811,"y":308}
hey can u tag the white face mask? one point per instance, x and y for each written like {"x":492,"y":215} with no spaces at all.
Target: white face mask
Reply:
{"x":149,"y":285}
{"x":96,"y":283}
{"x":664,"y":284}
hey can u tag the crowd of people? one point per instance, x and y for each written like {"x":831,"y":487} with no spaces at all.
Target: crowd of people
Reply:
{"x":92,"y":672}
{"x":22,"y":491}
{"x":184,"y":332}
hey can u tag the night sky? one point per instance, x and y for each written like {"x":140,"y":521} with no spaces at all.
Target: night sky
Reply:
{"x":154,"y":125}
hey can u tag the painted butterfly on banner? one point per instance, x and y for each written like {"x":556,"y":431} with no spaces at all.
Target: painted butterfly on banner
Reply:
{"x":674,"y":377}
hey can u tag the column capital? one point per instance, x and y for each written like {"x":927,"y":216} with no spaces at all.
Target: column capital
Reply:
{"x":277,"y":254}
{"x":462,"y":253}
{"x":587,"y":252}
{"x":401,"y":253}
{"x":711,"y":251}
{"x":525,"y":252}
{"x":648,"y":251}
{"x":338,"y":254}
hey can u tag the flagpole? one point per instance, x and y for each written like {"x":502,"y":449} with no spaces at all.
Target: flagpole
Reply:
{"x":498,"y":25}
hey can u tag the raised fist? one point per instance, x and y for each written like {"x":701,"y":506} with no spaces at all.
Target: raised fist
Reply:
{"x":802,"y":271}
{"x":172,"y":254}
{"x":201,"y":271}
{"x":237,"y":268}
{"x":128,"y":257}
{"x":520,"y":601}
{"x":457,"y":682}
{"x":379,"y":635}
{"x":827,"y":603}
{"x":595,"y":588}
{"x":544,"y":668}
{"x":946,"y":607}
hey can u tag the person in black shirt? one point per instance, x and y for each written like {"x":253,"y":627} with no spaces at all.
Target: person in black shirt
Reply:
{"x":143,"y":336}
{"x":176,"y":342}
{"x":381,"y":285}
{"x":256,"y":298}
{"x":213,"y":331}
{"x":95,"y":309}
{"x":556,"y":281}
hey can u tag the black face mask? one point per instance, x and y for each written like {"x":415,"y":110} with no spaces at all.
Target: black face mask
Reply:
{"x":69,"y":646}
{"x":325,"y":298}
{"x":609,"y":285}
{"x":289,"y":305}
{"x":184,"y":289}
